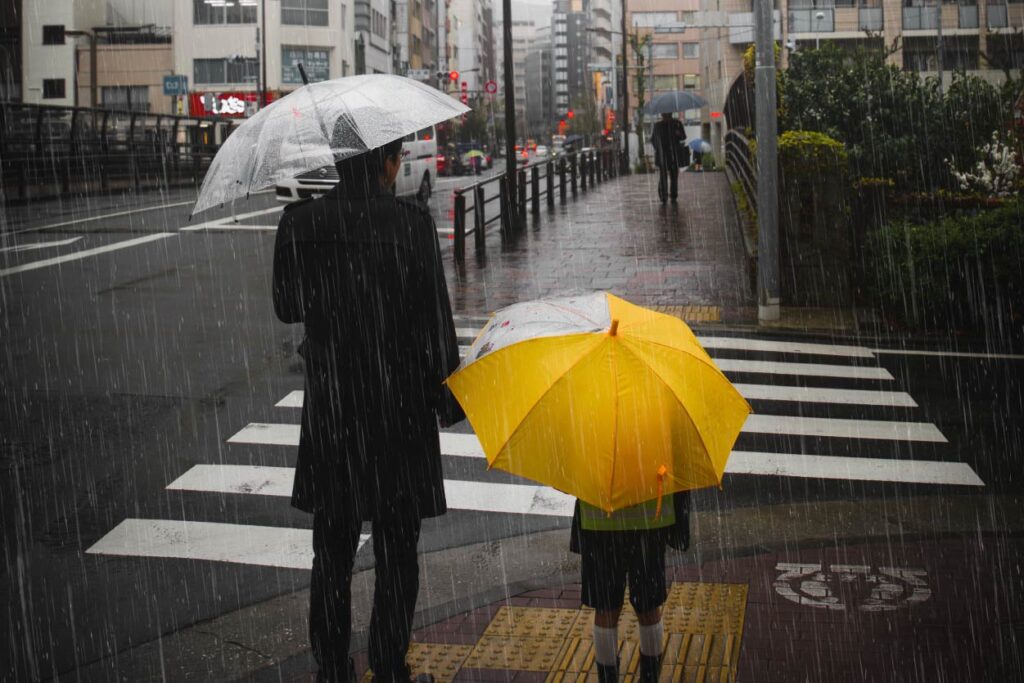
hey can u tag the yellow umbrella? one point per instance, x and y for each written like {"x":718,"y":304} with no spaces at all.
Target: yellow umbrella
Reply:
{"x":594,"y":396}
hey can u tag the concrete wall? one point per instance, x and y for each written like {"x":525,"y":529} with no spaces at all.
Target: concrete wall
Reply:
{"x":128,"y":65}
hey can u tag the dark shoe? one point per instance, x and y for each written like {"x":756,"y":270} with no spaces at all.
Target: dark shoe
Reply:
{"x":607,"y":673}
{"x":675,"y":199}
{"x":650,"y":668}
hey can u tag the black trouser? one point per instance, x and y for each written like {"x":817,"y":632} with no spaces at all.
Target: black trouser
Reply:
{"x":668,"y":174}
{"x":335,"y":543}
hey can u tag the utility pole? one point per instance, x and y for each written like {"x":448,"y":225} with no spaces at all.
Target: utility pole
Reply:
{"x":510,"y":105}
{"x":263,"y":54}
{"x":939,"y":47}
{"x":768,"y":296}
{"x":624,"y":97}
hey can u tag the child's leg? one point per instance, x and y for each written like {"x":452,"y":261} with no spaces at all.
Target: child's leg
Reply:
{"x":606,"y":636}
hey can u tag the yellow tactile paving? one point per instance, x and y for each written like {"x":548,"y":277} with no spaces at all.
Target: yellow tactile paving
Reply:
{"x":703,"y":632}
{"x":692,"y":314}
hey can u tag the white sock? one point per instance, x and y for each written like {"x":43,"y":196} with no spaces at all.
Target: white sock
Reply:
{"x":650,"y":639}
{"x":606,"y":645}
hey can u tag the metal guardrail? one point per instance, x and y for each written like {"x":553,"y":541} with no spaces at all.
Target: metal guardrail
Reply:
{"x":50,"y":150}
{"x":739,"y":161}
{"x":576,"y":171}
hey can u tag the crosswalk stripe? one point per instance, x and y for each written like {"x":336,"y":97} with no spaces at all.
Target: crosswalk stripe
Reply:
{"x":765,"y":392}
{"x":853,"y":469}
{"x":743,"y":344}
{"x":806,"y":369}
{"x":791,"y":425}
{"x":267,"y":546}
{"x":273,"y":434}
{"x":521,"y":499}
{"x":771,"y":392}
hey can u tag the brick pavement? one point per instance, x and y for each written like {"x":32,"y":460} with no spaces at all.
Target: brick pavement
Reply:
{"x":909,"y":611}
{"x":618,"y":237}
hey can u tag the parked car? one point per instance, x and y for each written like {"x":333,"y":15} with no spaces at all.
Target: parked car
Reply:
{"x":416,"y":177}
{"x":541,"y":152}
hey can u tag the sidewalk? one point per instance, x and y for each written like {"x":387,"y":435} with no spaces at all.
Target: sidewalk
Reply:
{"x":617,"y":236}
{"x":907,"y":611}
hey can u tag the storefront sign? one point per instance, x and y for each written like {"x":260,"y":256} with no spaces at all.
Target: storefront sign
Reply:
{"x":316,"y":62}
{"x":227,"y":104}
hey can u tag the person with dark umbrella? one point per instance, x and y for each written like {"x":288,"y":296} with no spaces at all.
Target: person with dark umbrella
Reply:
{"x":668,"y":139}
{"x":362,"y":271}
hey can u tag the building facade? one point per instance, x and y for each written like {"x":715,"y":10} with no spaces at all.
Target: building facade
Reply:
{"x":223,"y":53}
{"x":10,"y":50}
{"x":372,"y":23}
{"x":538,"y":72}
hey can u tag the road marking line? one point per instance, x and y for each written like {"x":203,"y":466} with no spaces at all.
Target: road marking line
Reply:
{"x":232,"y":226}
{"x":266,"y":546}
{"x":787,"y":425}
{"x":219,"y":222}
{"x":32,"y":246}
{"x":518,"y":499}
{"x":772,"y":392}
{"x":35,"y":265}
{"x":743,"y":344}
{"x":952,"y":354}
{"x":99,"y":218}
{"x":852,"y":469}
{"x":807,"y":369}
{"x":764,"y":392}
{"x":270,"y":434}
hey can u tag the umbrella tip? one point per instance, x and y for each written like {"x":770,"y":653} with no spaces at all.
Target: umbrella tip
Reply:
{"x":614,"y":329}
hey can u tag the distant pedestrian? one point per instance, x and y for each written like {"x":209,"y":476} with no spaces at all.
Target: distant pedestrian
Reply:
{"x":628,"y":546}
{"x":669,"y":141}
{"x":362,"y":270}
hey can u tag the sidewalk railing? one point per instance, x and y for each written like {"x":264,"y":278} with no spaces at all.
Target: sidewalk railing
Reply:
{"x":739,"y":164}
{"x":50,"y":150}
{"x":573,"y":172}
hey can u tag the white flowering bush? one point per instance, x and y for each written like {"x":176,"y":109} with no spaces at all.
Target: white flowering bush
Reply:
{"x":996,"y":172}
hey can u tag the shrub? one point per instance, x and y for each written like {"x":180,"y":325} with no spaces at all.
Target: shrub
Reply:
{"x":964,"y":272}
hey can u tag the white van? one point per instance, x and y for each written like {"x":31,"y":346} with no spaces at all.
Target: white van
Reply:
{"x":415,"y":178}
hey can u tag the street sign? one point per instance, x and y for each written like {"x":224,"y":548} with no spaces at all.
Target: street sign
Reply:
{"x":175,"y":85}
{"x":490,"y":87}
{"x":418,"y":74}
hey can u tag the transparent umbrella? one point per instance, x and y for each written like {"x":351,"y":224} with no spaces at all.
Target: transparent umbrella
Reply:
{"x":319,"y":124}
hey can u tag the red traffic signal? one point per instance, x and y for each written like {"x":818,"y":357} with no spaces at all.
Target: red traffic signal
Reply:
{"x":453,"y":75}
{"x":571,"y":114}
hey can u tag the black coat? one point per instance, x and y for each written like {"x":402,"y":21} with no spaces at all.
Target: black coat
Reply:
{"x":669,"y":139}
{"x":364,"y":274}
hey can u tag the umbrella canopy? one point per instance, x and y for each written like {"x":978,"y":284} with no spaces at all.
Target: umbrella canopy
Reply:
{"x":698,"y":145}
{"x":473,"y":153}
{"x":592,"y":395}
{"x":672,"y":102}
{"x":319,"y":124}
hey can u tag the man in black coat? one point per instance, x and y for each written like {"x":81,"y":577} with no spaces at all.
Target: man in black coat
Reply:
{"x":668,"y":139}
{"x":362,"y":270}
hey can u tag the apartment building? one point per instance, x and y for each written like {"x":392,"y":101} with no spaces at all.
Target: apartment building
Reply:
{"x":671,"y":59}
{"x":372,"y":36}
{"x":540,"y":109}
{"x":415,"y":38}
{"x":220,"y":45}
{"x":469,"y":36}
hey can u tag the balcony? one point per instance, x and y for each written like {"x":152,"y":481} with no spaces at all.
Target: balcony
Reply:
{"x":741,"y":27}
{"x":997,"y":16}
{"x":870,"y":19}
{"x":968,"y":16}
{"x":920,"y":18}
{"x":812,"y":20}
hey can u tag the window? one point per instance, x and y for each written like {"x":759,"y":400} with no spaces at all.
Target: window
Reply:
{"x":304,"y":12}
{"x":665,"y":50}
{"x":668,"y":83}
{"x":218,"y":71}
{"x":53,"y":88}
{"x":315,"y":60}
{"x":691,"y":50}
{"x":689,"y":18}
{"x":223,"y":12}
{"x":691,"y":81}
{"x":344,"y":11}
{"x":126,"y":97}
{"x":652,"y":19}
{"x":53,"y":34}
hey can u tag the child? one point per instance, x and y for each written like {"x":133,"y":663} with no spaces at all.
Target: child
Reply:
{"x":628,"y":545}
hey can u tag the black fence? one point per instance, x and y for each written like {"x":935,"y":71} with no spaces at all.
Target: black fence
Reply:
{"x":569,"y":173}
{"x":46,"y":151}
{"x":740,"y":165}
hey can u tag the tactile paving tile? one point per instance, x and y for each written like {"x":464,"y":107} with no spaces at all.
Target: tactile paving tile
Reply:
{"x":707,"y":314}
{"x":703,"y":632}
{"x":443,"y":661}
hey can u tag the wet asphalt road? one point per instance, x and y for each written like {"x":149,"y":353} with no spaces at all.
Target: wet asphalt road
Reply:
{"x":124,"y":369}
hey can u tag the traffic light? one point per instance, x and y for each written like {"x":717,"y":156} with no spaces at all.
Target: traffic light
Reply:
{"x":571,"y":114}
{"x":453,"y":76}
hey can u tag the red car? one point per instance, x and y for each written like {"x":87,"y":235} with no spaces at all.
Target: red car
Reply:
{"x":442,"y":165}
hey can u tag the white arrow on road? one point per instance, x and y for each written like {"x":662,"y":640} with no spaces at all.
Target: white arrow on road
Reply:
{"x":40,"y":245}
